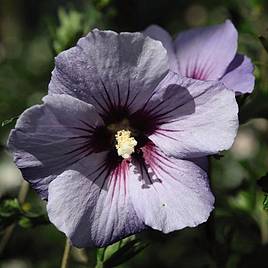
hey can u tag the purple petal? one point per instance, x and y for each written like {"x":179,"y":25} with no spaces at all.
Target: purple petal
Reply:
{"x":109,"y":69}
{"x":195,"y":118}
{"x":170,"y":194}
{"x":158,"y":33}
{"x":91,"y":205}
{"x":239,"y":75}
{"x":205,"y":53}
{"x":49,"y":138}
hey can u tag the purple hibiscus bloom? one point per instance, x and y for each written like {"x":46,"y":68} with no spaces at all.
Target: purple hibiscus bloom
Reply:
{"x":208,"y":53}
{"x":114,"y":145}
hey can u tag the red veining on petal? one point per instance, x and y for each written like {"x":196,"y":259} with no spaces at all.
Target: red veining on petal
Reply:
{"x":152,"y":158}
{"x":158,"y":161}
{"x":165,"y":135}
{"x":197,"y":74}
{"x":198,"y":71}
{"x":118,"y":176}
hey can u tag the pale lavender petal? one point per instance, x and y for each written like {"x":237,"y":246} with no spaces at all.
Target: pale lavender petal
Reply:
{"x":49,"y":138}
{"x":92,"y":205}
{"x":239,"y":75}
{"x":158,"y":33}
{"x":195,"y":118}
{"x":170,"y":194}
{"x":109,"y":69}
{"x":205,"y":53}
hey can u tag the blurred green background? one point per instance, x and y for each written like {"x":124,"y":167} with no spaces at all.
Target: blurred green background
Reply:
{"x":32,"y":32}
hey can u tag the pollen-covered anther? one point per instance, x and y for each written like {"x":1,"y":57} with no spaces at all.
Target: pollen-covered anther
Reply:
{"x":125,"y":143}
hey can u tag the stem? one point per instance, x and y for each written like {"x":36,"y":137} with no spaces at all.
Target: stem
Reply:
{"x":263,"y":224}
{"x":8,"y":233}
{"x":24,"y":188}
{"x":66,"y":254}
{"x":10,"y":229}
{"x":99,"y":265}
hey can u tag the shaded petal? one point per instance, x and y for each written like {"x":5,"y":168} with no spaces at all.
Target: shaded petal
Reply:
{"x":195,"y":118}
{"x":205,"y":53}
{"x":109,"y":69}
{"x":158,"y":33}
{"x":91,"y":205}
{"x":50,"y":137}
{"x":201,"y":162}
{"x":170,"y":194}
{"x":239,"y":75}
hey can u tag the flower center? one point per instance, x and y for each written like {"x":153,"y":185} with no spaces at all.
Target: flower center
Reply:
{"x":125,"y":143}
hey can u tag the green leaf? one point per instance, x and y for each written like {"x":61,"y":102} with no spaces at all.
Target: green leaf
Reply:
{"x":263,"y":184}
{"x":119,"y":252}
{"x":9,"y":207}
{"x":101,"y":3}
{"x":12,"y":212}
{"x":69,"y":30}
{"x":33,"y":221}
{"x":73,"y":24}
{"x":9,"y":121}
{"x":265,"y":202}
{"x":129,"y":249}
{"x":100,"y":254}
{"x":105,"y":253}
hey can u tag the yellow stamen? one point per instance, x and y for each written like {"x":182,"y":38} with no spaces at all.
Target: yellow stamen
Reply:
{"x":125,"y":143}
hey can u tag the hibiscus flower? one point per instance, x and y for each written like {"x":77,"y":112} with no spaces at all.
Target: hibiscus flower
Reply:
{"x":113,"y":148}
{"x":208,"y":53}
